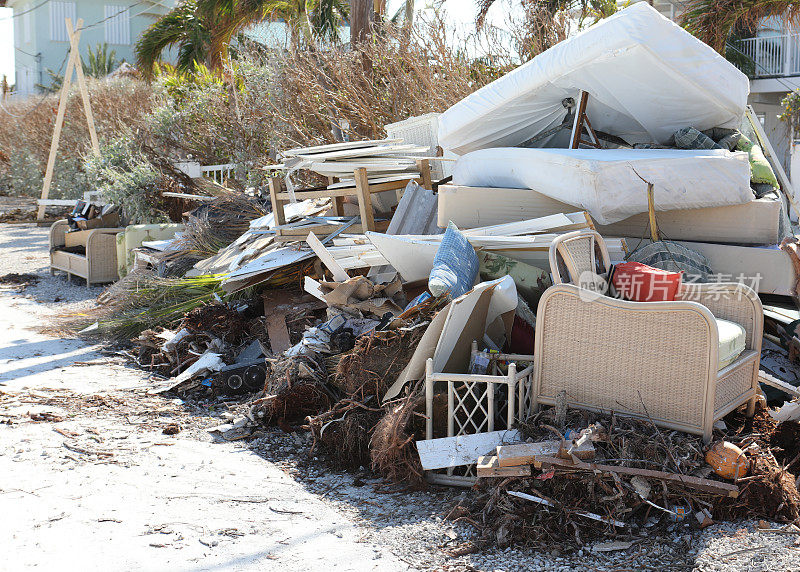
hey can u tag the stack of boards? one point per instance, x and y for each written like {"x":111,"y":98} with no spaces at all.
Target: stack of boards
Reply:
{"x":385,"y":160}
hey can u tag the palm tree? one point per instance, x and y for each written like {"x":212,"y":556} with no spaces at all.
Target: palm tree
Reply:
{"x":100,"y":62}
{"x":183,"y":27}
{"x":203,"y":29}
{"x":713,"y":21}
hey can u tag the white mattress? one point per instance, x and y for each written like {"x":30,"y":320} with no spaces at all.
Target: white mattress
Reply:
{"x":645,"y":75}
{"x":605,"y":181}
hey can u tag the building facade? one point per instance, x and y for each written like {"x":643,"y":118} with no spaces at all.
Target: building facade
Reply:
{"x":41,"y":43}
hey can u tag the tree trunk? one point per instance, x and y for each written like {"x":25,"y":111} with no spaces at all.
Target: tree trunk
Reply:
{"x":360,"y":21}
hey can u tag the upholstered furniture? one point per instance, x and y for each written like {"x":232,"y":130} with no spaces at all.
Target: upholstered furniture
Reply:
{"x":98,"y":264}
{"x":655,"y":360}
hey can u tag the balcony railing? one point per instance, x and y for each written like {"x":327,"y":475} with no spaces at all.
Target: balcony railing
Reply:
{"x":768,"y":56}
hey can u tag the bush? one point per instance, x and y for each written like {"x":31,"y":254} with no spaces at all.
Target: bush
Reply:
{"x":126,"y":178}
{"x":26,"y":130}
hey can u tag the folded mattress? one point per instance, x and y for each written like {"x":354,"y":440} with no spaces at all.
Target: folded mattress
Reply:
{"x":646,"y":78}
{"x":608,"y":182}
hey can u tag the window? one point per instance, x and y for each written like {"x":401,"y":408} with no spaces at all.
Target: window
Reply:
{"x":59,"y":11}
{"x":117,"y":24}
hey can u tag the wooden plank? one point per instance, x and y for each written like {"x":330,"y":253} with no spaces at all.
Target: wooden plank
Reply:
{"x":424,"y":167}
{"x":300,"y":232}
{"x":528,"y":453}
{"x":350,"y":191}
{"x":463,"y":449}
{"x":364,"y":199}
{"x":74,"y":36}
{"x":277,"y":204}
{"x":707,"y":485}
{"x":764,"y":377}
{"x":488,"y":467}
{"x":313,"y":287}
{"x":339,"y":274}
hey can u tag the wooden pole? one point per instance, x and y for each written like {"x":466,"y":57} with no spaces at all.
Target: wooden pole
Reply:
{"x":74,"y":36}
{"x":651,"y":209}
{"x":62,"y":108}
{"x":73,"y":63}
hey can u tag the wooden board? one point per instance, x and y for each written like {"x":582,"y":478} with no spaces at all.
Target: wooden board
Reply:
{"x":764,"y":377}
{"x":488,"y":467}
{"x":707,"y":485}
{"x":339,"y":274}
{"x":528,"y":453}
{"x":462,"y":449}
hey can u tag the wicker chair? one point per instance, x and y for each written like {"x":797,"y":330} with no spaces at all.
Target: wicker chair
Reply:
{"x":656,"y":360}
{"x":97,"y":266}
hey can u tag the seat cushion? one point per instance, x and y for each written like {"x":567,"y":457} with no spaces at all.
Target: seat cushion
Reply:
{"x":732,"y":341}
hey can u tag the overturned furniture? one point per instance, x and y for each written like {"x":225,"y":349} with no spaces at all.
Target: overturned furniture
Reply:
{"x":664,"y":361}
{"x":361,"y":188}
{"x":97,"y":264}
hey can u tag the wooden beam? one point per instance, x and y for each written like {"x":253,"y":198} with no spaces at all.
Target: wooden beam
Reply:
{"x":706,"y":485}
{"x":424,"y":166}
{"x":528,"y":453}
{"x":62,"y":108}
{"x":74,"y":36}
{"x":488,"y":467}
{"x":364,"y":199}
{"x":277,"y":204}
{"x":764,"y":377}
{"x":339,"y":274}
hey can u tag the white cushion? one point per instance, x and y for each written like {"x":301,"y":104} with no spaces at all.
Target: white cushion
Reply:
{"x":732,"y":340}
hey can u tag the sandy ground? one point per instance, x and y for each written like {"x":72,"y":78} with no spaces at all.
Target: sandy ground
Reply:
{"x":105,"y":489}
{"x":89,"y":481}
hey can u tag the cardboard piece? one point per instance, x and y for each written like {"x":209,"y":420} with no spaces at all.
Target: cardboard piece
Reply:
{"x":486,"y":309}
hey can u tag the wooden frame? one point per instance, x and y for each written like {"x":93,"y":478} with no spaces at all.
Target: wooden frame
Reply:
{"x":580,"y":123}
{"x":362,"y":190}
{"x":73,"y":63}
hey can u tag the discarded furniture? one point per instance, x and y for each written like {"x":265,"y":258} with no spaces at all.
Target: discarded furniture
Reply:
{"x":655,"y":360}
{"x":756,"y":222}
{"x":99,"y":263}
{"x":133,"y":237}
{"x":362,"y":190}
{"x":478,"y":403}
{"x":578,"y":256}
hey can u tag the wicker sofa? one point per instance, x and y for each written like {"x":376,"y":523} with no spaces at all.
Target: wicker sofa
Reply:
{"x":655,"y":360}
{"x":97,"y":266}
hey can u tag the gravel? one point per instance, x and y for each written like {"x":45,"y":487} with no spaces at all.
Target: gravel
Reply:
{"x":412,"y":524}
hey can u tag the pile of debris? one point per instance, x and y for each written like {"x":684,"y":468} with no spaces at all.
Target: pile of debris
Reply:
{"x":622,"y":478}
{"x":488,"y":333}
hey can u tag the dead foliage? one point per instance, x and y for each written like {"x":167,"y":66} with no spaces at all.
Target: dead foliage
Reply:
{"x":219,"y":320}
{"x":25,"y":279}
{"x":393,"y":451}
{"x":348,"y":430}
{"x":768,"y":491}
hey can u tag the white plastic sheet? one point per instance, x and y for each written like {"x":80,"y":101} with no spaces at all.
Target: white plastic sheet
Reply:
{"x":605,"y":181}
{"x":646,"y":78}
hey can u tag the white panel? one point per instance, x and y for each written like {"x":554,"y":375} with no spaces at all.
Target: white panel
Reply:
{"x":117,"y":24}
{"x":26,"y":27}
{"x":59,"y":11}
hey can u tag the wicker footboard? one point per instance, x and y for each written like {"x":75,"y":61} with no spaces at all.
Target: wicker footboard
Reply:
{"x":654,"y":360}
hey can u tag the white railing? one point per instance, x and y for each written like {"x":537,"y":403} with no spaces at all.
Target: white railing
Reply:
{"x":770,"y":56}
{"x":218,"y":173}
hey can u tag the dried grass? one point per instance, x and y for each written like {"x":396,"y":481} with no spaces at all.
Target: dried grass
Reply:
{"x":27,"y":126}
